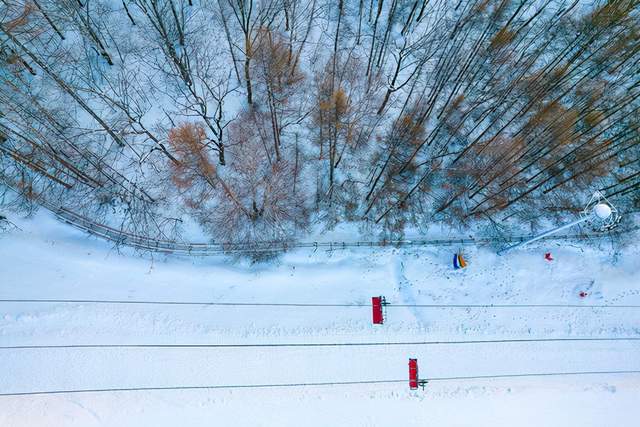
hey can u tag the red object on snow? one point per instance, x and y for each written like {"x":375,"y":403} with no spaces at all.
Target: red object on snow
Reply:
{"x":376,"y":304}
{"x":413,"y":374}
{"x":583,"y":294}
{"x":548,"y":256}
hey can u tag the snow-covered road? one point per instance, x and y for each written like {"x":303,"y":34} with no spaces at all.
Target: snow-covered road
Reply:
{"x":49,"y":260}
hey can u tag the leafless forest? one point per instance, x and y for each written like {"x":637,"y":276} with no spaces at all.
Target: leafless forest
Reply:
{"x":260,"y":119}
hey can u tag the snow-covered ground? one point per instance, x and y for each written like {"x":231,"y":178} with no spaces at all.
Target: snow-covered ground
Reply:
{"x":48,"y":260}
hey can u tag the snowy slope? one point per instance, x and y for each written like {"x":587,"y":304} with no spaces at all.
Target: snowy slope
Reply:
{"x":48,"y":260}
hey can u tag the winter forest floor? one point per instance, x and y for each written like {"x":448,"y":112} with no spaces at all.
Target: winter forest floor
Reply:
{"x":49,"y":260}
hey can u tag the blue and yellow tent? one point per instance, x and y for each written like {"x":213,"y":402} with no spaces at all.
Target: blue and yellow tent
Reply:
{"x":458,"y":261}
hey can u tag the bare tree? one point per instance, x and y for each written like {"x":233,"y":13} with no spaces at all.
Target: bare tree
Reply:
{"x":251,"y":16}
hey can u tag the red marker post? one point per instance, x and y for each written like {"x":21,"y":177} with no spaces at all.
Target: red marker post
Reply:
{"x":413,"y":374}
{"x":414,"y":378}
{"x":377,"y":304}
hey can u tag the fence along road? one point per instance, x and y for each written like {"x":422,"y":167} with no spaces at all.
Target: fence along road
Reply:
{"x":144,"y":243}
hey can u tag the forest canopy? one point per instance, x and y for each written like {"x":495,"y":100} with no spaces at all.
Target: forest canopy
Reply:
{"x":259,"y":118}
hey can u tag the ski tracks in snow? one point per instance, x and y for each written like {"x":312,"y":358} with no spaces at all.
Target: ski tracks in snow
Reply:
{"x":404,"y":288}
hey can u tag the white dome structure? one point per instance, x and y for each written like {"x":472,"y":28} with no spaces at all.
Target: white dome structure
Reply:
{"x":602,"y":210}
{"x":600,"y":213}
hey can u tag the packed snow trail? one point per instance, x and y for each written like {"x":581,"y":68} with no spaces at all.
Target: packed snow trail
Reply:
{"x":405,"y":291}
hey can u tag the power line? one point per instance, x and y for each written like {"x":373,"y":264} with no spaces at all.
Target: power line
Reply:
{"x":343,"y":344}
{"x":206,"y":303}
{"x":510,"y":306}
{"x":313,"y":384}
{"x":536,"y":374}
{"x":204,"y":387}
{"x":276,"y":304}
